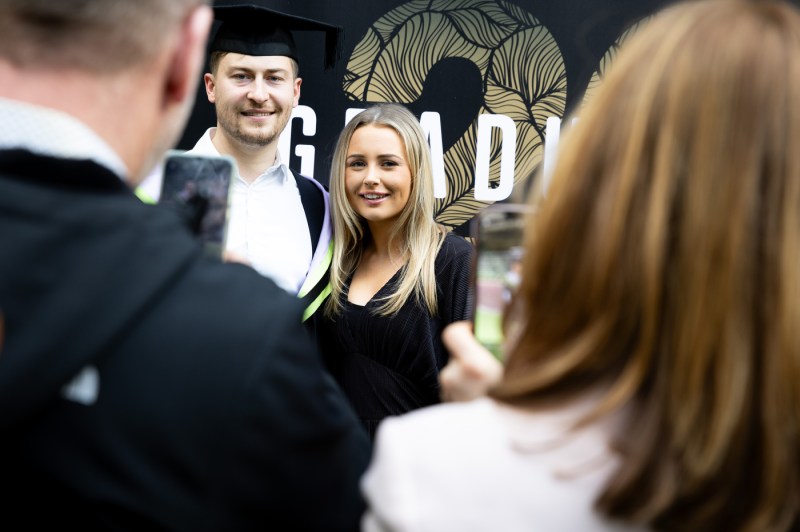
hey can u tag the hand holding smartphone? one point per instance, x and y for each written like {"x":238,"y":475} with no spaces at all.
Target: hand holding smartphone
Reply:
{"x":198,"y":188}
{"x":498,"y":233}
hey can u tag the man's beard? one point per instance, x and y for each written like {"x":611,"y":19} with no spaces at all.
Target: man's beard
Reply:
{"x":230,"y":122}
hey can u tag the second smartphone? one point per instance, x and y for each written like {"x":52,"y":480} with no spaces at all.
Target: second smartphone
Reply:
{"x":498,"y":234}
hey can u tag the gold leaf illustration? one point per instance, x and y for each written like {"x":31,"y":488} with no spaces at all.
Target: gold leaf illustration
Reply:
{"x":519,"y":61}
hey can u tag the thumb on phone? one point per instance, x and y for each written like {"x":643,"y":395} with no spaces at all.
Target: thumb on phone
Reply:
{"x":472,"y":369}
{"x":232,"y":256}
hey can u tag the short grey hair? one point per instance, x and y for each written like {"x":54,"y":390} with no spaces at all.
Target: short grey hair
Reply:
{"x":92,"y":35}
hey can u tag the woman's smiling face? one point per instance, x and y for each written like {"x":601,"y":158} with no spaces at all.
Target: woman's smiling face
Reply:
{"x":377,"y":174}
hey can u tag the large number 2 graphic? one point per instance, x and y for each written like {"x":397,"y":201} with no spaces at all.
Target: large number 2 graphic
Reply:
{"x":522,"y":74}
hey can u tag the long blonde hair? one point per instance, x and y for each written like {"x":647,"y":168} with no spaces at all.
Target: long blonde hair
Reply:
{"x":665,"y":264}
{"x":416,"y":231}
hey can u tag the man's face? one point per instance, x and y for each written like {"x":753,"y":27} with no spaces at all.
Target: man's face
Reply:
{"x":254,"y":97}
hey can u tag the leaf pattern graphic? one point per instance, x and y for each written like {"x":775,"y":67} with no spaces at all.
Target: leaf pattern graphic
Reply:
{"x":520,"y":63}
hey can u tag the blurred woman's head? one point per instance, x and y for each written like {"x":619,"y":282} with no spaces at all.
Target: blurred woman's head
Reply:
{"x":665,"y":265}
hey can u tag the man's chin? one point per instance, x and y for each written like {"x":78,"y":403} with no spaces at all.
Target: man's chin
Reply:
{"x":252,"y":138}
{"x":256,"y":140}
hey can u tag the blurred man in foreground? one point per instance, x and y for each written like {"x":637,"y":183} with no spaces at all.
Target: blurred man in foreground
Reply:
{"x":142,"y":384}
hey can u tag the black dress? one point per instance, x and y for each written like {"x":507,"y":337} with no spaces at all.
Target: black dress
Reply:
{"x":389,"y":365}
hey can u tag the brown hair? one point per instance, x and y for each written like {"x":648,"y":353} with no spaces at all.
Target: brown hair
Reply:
{"x":665,"y":264}
{"x":97,"y":36}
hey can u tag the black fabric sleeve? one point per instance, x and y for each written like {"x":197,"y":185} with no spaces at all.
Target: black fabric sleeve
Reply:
{"x":454,"y":278}
{"x":305,"y":450}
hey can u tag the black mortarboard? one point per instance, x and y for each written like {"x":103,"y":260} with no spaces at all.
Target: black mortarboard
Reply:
{"x":257,"y":30}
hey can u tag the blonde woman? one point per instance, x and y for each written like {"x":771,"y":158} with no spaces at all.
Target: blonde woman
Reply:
{"x":397,"y":276}
{"x":656,"y":380}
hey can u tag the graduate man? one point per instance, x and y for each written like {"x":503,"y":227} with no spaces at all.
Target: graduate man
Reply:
{"x":279,"y":220}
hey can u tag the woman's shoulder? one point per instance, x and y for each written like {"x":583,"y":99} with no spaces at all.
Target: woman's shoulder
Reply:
{"x":457,"y":242}
{"x":455,"y":247}
{"x":442,"y":423}
{"x":485,"y":424}
{"x":526,"y":466}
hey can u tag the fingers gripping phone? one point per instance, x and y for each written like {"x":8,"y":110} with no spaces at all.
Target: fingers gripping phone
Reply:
{"x":198,"y":188}
{"x":498,"y":233}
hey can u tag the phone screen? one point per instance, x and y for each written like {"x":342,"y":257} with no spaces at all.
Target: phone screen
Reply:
{"x":498,"y":233}
{"x":198,"y":188}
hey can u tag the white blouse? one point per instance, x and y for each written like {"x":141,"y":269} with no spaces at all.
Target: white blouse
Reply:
{"x":483,"y":466}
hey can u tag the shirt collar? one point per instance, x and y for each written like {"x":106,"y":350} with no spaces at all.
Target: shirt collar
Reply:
{"x":55,"y":134}
{"x":278,"y":171}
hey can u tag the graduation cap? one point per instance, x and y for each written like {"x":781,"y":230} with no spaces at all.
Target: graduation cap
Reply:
{"x":257,"y":30}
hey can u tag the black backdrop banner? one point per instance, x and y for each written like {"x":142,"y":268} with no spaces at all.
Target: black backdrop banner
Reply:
{"x":490,"y":80}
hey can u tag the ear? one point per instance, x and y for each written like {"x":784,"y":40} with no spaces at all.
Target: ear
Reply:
{"x":297,"y":83}
{"x":188,"y":55}
{"x":208,"y":80}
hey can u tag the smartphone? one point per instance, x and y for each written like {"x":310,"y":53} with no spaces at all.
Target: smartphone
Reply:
{"x":498,"y":234}
{"x":198,"y":188}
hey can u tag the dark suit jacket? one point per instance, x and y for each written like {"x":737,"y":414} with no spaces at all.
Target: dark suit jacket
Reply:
{"x":202,"y":403}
